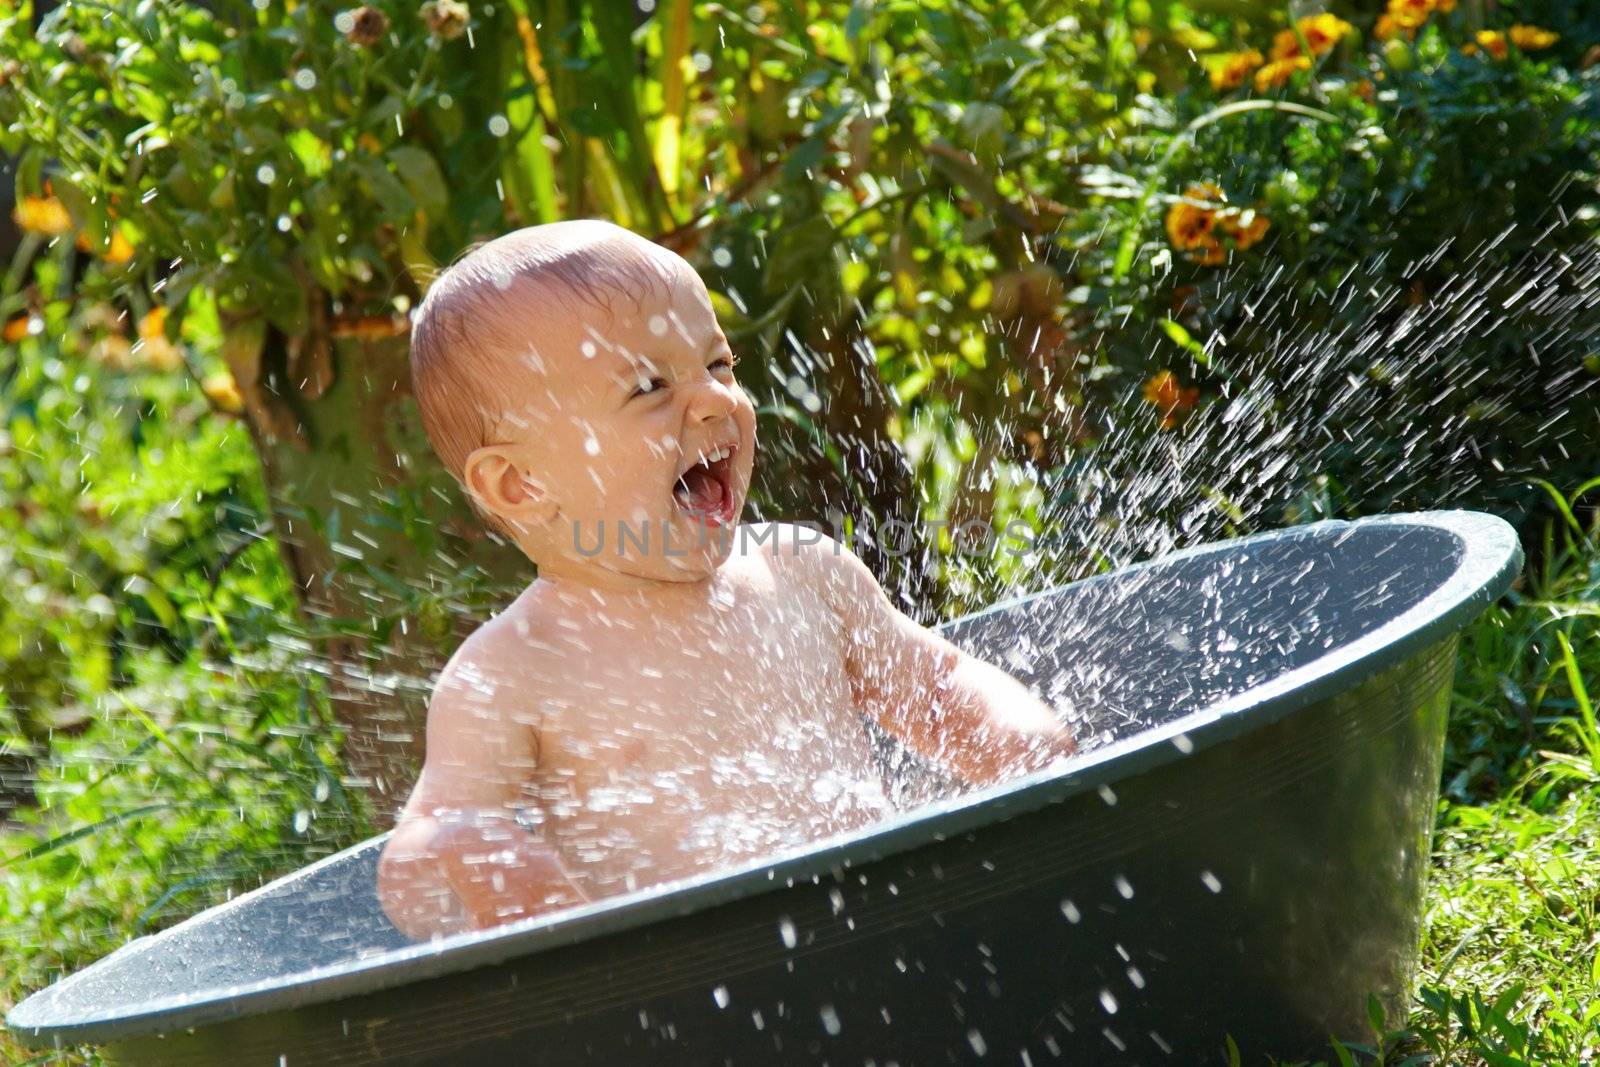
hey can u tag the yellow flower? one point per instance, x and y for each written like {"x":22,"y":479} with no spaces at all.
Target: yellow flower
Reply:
{"x":1279,"y":71}
{"x":1322,"y":33}
{"x":1169,"y":397}
{"x":1491,"y":41}
{"x":1532,"y":38}
{"x":42,"y":215}
{"x":1409,"y":15}
{"x":1387,"y":29}
{"x":223,"y":392}
{"x":1229,"y":70}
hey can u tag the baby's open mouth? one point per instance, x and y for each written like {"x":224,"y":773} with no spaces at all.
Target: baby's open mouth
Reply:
{"x":706,"y":487}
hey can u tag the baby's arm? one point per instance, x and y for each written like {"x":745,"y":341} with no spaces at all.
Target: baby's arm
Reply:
{"x":458,"y":859}
{"x":968,"y":715}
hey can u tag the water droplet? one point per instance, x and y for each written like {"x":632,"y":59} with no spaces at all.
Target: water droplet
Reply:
{"x":720,"y":996}
{"x":592,"y":446}
{"x":1124,"y":887}
{"x":302,"y":820}
{"x":1183,"y":744}
{"x":722,"y":257}
{"x":1107,"y":795}
{"x":499,"y":126}
{"x":1108,"y":1002}
{"x":266,"y":174}
{"x":305,"y":78}
{"x":588,"y":349}
{"x":1136,"y":977}
{"x":786,"y":932}
{"x":1211,"y":881}
{"x":1070,"y":910}
{"x":979,"y":1045}
{"x":830,"y":1020}
{"x":658,"y":326}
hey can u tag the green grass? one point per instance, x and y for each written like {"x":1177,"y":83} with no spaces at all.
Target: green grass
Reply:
{"x":1510,"y":969}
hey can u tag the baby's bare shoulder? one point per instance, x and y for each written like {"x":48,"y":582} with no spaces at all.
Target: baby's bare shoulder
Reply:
{"x":508,"y":671}
{"x":808,"y":556}
{"x":789,"y":543}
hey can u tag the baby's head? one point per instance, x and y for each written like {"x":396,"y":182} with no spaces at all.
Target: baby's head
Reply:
{"x":573,"y":378}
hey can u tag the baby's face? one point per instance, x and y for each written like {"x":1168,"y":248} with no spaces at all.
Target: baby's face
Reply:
{"x":633,"y":424}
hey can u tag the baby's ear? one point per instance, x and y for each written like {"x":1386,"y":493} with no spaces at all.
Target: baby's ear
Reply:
{"x":506,"y":488}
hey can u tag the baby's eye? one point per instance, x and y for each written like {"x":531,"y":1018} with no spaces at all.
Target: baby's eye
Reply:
{"x":648,"y":387}
{"x":725,"y":361}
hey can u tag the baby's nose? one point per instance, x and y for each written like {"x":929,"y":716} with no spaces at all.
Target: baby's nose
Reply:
{"x":713,"y":400}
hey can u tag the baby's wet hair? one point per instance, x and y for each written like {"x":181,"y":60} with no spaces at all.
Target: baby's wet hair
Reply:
{"x":464,"y":330}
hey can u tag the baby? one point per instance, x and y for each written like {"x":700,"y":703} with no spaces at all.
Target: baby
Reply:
{"x":675,"y":693}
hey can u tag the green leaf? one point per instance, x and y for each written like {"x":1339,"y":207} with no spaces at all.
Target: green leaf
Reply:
{"x":422,"y":178}
{"x":388,"y":191}
{"x":312,"y":152}
{"x":1184,"y":340}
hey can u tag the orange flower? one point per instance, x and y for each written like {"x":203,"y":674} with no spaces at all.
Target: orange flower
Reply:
{"x":1229,"y":70}
{"x":1322,"y":33}
{"x":1532,"y":38}
{"x":1189,"y":225}
{"x":1169,"y":397}
{"x":155,"y":350}
{"x":42,"y":215}
{"x":1277,"y":73}
{"x":1364,"y":89}
{"x":119,"y":251}
{"x":17,"y":328}
{"x":1199,"y":228}
{"x":1241,"y":232}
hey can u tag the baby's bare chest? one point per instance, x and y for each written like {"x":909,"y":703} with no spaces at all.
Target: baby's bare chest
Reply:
{"x":756,"y":682}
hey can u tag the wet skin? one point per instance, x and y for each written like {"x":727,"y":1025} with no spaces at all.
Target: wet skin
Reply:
{"x":642,"y":715}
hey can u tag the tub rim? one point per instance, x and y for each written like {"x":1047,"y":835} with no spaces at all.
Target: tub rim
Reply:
{"x":1491,"y":558}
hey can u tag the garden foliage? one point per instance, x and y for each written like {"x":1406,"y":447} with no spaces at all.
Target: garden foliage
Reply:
{"x":1137,"y":272}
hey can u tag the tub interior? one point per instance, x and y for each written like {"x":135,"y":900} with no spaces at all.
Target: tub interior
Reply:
{"x":1125,"y":652}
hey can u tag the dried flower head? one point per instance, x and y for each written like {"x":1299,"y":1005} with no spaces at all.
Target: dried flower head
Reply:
{"x":367,"y":26}
{"x":445,"y":19}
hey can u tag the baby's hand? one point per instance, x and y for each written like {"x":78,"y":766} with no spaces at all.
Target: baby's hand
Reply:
{"x":468,"y":869}
{"x":967,"y":715}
